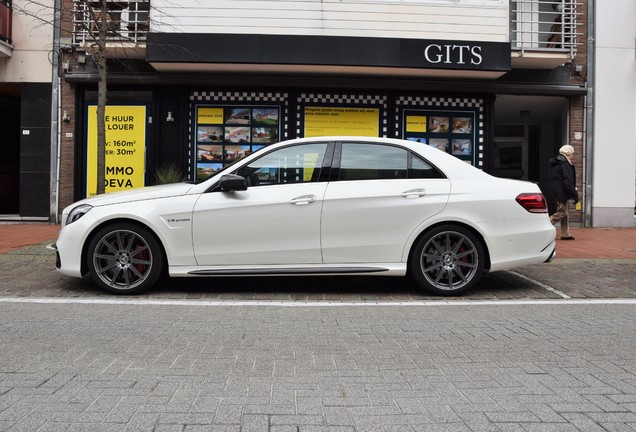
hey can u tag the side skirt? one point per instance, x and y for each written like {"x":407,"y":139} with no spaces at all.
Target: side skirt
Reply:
{"x":287,"y":271}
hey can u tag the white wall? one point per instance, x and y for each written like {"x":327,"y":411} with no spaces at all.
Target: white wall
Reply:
{"x":482,"y":20}
{"x":614,"y":131}
{"x":32,"y":43}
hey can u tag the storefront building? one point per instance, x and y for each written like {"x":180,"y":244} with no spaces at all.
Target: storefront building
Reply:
{"x":611,"y":145}
{"x":25,"y":109}
{"x":499,"y":84}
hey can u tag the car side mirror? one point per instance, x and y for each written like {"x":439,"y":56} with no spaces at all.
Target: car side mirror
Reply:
{"x":233,"y":182}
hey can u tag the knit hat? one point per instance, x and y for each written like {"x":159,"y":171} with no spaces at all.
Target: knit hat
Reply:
{"x":566,"y":150}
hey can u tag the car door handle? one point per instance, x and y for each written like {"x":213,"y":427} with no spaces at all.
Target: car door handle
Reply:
{"x":414,"y":193}
{"x":303,"y":200}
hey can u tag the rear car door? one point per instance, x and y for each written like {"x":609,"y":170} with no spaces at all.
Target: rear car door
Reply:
{"x":379,"y":195}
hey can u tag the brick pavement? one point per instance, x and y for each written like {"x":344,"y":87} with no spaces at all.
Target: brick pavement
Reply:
{"x":444,"y":366}
{"x":14,"y":236}
{"x":590,"y":243}
{"x":449,"y":368}
{"x":599,"y":243}
{"x":600,"y":263}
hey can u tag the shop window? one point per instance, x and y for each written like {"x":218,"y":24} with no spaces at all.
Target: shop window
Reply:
{"x":454,"y":125}
{"x":227,"y":133}
{"x":337,"y":114}
{"x":449,"y":131}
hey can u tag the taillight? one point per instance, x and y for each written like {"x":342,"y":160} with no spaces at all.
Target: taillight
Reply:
{"x":533,"y":202}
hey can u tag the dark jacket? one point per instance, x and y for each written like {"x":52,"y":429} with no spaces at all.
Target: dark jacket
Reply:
{"x":562,"y":180}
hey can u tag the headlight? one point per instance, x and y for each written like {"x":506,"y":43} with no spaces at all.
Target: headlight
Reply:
{"x":77,"y":213}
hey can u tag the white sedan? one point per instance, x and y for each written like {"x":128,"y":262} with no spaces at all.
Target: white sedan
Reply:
{"x":314,"y":206}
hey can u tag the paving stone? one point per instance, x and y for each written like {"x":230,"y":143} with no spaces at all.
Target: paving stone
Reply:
{"x":444,"y":367}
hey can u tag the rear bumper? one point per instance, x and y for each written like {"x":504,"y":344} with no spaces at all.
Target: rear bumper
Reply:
{"x":530,"y":248}
{"x":552,"y":256}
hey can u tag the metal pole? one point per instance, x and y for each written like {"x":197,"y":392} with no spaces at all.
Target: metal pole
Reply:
{"x":55,"y":100}
{"x":588,"y":219}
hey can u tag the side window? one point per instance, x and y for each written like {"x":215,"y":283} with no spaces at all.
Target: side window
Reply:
{"x":372,"y":162}
{"x":375,"y":162}
{"x":297,"y":164}
{"x":418,"y":168}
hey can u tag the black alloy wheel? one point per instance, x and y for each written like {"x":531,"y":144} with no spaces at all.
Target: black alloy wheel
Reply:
{"x":447,"y":260}
{"x":125,"y":259}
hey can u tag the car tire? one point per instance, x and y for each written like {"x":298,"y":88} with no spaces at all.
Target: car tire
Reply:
{"x":124,"y":258}
{"x":447,"y":260}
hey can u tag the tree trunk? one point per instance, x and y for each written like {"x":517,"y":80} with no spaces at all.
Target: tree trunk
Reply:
{"x":101,"y":97}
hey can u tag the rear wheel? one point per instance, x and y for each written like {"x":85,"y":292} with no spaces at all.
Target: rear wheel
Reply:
{"x":447,"y":260}
{"x":125,"y":259}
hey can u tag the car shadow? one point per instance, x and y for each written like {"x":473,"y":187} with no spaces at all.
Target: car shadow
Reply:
{"x":503,"y":285}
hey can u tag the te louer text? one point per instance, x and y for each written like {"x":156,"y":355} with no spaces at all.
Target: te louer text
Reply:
{"x":119,"y":122}
{"x":120,"y":126}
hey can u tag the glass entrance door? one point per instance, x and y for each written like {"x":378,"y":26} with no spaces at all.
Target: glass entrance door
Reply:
{"x":511,"y":158}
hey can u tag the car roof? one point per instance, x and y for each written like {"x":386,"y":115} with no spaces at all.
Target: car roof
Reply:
{"x":450,"y":165}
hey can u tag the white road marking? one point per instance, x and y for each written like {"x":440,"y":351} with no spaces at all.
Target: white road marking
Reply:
{"x":313,"y":303}
{"x":541,"y":284}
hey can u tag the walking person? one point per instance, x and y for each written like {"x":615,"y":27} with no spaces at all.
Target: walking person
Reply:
{"x":562,"y":188}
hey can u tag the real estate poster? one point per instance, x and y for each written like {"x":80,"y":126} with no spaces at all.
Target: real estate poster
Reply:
{"x":336,"y":121}
{"x":125,"y":148}
{"x":210,"y":115}
{"x":226,"y":133}
{"x":448,"y":130}
{"x":415,"y":123}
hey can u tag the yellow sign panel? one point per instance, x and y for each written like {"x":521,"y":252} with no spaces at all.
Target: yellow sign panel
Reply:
{"x":331,"y":121}
{"x":309,"y":166}
{"x":210,"y":115}
{"x":416,"y":123}
{"x":125,"y":148}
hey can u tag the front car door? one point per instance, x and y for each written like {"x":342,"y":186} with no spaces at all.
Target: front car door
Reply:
{"x":275,"y":221}
{"x":382,"y":194}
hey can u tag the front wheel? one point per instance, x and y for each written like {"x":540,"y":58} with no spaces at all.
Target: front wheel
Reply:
{"x":447,"y":260}
{"x":124,"y":259}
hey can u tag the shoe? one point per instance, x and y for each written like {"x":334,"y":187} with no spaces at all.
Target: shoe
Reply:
{"x":567,"y":238}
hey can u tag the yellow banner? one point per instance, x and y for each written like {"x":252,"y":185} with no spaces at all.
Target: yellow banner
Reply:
{"x":210,"y":115}
{"x":125,"y":148}
{"x":332,"y":121}
{"x":416,"y":123}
